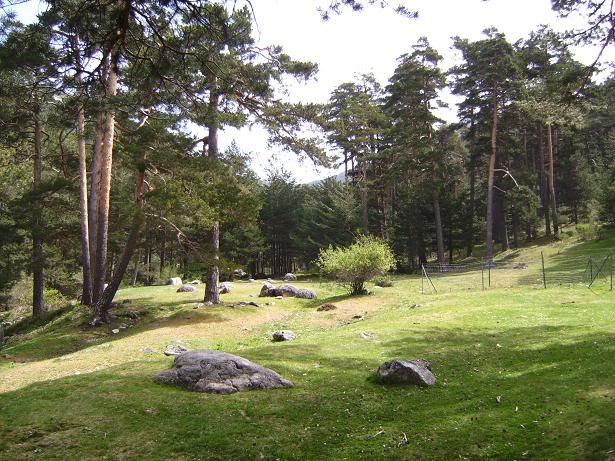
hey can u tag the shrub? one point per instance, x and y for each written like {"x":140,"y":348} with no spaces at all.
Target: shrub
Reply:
{"x":351,"y":267}
{"x":383,"y":281}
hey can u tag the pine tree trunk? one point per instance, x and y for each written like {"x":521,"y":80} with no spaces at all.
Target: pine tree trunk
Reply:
{"x":438,"y":219}
{"x":86,"y":297}
{"x":551,"y":182}
{"x":544,"y":193}
{"x":37,"y":231}
{"x":490,"y":180}
{"x":470,"y":226}
{"x":106,"y":161}
{"x":211,"y":285}
{"x":94,"y":193}
{"x":135,"y":271}
{"x":103,"y":305}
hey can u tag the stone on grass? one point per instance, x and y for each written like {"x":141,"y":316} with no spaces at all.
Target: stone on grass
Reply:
{"x":195,"y":282}
{"x":186,"y":289}
{"x":416,"y":372}
{"x":290,"y":277}
{"x":219,"y":373}
{"x":174,"y":281}
{"x":283,"y":335}
{"x":326,"y":307}
{"x":115,"y":331}
{"x":174,"y":349}
{"x":287,"y":291}
{"x":225,"y":287}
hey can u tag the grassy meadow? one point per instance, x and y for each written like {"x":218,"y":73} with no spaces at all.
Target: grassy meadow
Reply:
{"x":523,"y":373}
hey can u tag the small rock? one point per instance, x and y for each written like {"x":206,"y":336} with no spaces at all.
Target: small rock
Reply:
{"x":115,"y":331}
{"x":174,"y":349}
{"x":399,"y":371}
{"x":326,"y":307}
{"x":195,"y":282}
{"x":415,"y":306}
{"x":358,"y":317}
{"x":225,"y":287}
{"x":148,"y":350}
{"x":290,"y":277}
{"x":366,"y":335}
{"x":186,"y":289}
{"x":123,"y":326}
{"x":283,"y":335}
{"x":498,"y":399}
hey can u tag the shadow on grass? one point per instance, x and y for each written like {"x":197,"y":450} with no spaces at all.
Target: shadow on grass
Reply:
{"x":554,"y":388}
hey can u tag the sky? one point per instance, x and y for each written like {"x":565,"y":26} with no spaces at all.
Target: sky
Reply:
{"x":370,"y":42}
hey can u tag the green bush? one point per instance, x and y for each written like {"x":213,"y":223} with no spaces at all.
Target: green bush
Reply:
{"x":351,"y":267}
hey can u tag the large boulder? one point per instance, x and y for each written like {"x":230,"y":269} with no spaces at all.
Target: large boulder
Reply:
{"x":174,"y":281}
{"x":269,"y":289}
{"x":219,"y":373}
{"x":290,"y":277}
{"x":186,"y":289}
{"x":416,"y":372}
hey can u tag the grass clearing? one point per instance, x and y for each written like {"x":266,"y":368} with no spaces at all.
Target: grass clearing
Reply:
{"x":70,"y":392}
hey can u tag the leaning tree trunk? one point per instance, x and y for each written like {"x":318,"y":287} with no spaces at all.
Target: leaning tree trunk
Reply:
{"x":438,"y":219}
{"x":103,"y":305}
{"x":37,"y":234}
{"x":86,"y":297}
{"x":551,"y":182}
{"x":104,"y":192}
{"x":490,"y":180}
{"x":211,"y":285}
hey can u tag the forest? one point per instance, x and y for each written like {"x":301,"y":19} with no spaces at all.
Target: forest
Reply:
{"x":104,"y":181}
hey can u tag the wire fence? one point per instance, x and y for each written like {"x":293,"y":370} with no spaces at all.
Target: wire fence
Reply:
{"x":594,"y":271}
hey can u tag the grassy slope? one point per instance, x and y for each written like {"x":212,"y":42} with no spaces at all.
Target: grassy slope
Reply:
{"x":68,"y":393}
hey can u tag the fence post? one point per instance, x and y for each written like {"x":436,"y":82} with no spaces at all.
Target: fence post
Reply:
{"x":591,"y":270}
{"x":544,"y":276}
{"x":489,"y":274}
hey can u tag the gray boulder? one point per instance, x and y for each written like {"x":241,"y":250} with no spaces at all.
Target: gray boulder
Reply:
{"x":286,"y":291}
{"x":195,"y":282}
{"x":174,"y":281}
{"x":225,"y":287}
{"x":290,"y":277}
{"x":219,"y":373}
{"x":283,"y":335}
{"x":186,"y":289}
{"x":174,"y":349}
{"x":416,"y":372}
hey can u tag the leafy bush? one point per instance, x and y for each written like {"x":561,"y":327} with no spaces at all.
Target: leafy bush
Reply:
{"x":352,"y":266}
{"x":383,"y":281}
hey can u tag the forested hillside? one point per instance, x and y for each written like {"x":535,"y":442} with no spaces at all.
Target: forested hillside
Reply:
{"x":104,"y":180}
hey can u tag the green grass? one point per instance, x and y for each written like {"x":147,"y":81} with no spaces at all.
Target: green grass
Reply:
{"x":70,"y":392}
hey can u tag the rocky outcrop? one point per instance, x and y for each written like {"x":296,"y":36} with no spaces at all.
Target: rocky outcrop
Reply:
{"x":219,"y":373}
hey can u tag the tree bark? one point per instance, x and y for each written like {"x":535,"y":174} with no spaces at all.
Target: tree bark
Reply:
{"x":211,"y":285}
{"x":438,"y":219}
{"x":86,"y":297}
{"x":551,"y":182}
{"x":544,"y":194}
{"x":106,"y":161}
{"x":490,"y":180}
{"x":37,"y":231}
{"x":103,"y":305}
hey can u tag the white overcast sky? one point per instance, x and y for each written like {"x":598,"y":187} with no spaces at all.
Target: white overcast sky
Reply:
{"x":371,"y":41}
